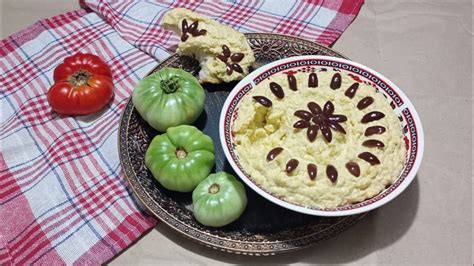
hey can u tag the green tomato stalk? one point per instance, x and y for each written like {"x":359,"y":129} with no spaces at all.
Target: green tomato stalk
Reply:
{"x":169,"y":85}
{"x":214,"y":188}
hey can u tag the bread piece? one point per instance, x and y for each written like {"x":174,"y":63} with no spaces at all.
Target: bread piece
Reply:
{"x":223,"y":53}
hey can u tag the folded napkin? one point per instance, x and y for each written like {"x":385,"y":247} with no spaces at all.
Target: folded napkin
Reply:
{"x":63,"y":196}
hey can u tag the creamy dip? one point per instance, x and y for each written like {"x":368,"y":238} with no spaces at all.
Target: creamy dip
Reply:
{"x":276,"y":143}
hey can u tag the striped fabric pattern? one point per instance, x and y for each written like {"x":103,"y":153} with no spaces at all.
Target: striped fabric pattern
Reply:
{"x":63,"y":196}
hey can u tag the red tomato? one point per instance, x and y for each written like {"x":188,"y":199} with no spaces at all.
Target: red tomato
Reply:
{"x":82,"y":85}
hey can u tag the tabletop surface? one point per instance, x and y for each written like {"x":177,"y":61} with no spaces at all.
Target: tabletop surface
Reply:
{"x":423,"y":46}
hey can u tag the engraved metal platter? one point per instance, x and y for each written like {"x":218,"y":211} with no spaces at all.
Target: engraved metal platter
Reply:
{"x":264,"y":228}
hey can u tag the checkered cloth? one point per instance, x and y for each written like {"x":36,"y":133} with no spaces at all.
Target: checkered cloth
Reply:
{"x":63,"y":196}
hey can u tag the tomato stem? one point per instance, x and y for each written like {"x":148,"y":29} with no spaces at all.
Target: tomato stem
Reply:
{"x":169,"y":85}
{"x":181,"y":153}
{"x":214,"y":188}
{"x":79,"y":78}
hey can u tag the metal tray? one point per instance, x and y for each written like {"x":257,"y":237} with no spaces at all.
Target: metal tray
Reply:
{"x":264,"y":228}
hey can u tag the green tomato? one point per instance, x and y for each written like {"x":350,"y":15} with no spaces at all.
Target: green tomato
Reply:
{"x":219,"y":200}
{"x":168,"y":98}
{"x":181,"y":158}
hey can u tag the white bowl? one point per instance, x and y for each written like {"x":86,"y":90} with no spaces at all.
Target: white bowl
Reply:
{"x":412,"y":129}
